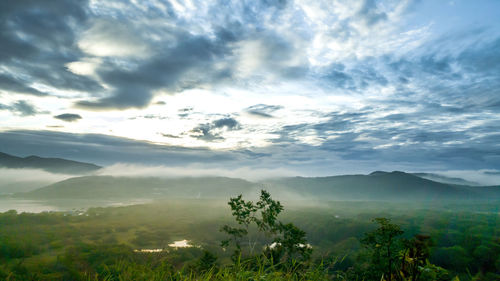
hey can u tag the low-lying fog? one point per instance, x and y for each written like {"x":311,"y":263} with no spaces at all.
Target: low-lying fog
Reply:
{"x":247,"y":173}
{"x":22,"y":180}
{"x":482,"y":177}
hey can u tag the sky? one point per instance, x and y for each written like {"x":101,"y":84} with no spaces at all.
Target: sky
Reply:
{"x":285,"y":86}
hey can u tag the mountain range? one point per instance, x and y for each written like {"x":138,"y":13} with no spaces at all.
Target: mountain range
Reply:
{"x":378,"y":185}
{"x":386,"y":186}
{"x":108,"y":187}
{"x":53,"y":165}
{"x":382,"y":186}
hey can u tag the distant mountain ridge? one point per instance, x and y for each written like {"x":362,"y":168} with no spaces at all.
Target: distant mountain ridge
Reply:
{"x":381,"y":185}
{"x":109,"y":187}
{"x":53,"y":165}
{"x":378,"y":185}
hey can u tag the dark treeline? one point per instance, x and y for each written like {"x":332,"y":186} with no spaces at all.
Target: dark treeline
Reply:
{"x":261,"y":240}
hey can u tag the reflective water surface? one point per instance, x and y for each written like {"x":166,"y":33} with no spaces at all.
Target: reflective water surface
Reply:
{"x":38,"y":206}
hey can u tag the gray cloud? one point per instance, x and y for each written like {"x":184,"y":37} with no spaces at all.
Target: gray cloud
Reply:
{"x":22,"y":108}
{"x":187,"y":64}
{"x":466,"y":81}
{"x":208,"y":132}
{"x":12,"y":84}
{"x":263,"y":110}
{"x":484,"y":59}
{"x":370,"y":13}
{"x":344,"y":154}
{"x":229,"y":123}
{"x":434,"y":102}
{"x":38,"y":39}
{"x":68,"y":117}
{"x":358,"y":77}
{"x":276,"y":53}
{"x":358,"y":136}
{"x":169,"y":136}
{"x":340,"y":79}
{"x":260,"y":114}
{"x":204,"y":132}
{"x":174,"y":57}
{"x":184,"y":60}
{"x":54,"y":126}
{"x":185,"y":112}
{"x":104,"y":150}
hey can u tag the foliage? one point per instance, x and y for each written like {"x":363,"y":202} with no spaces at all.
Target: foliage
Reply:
{"x":288,"y":243}
{"x":384,"y":247}
{"x":415,"y":256}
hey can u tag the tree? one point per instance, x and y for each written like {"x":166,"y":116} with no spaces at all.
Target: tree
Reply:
{"x":206,"y":262}
{"x":384,"y":246}
{"x":415,"y":256}
{"x":292,"y":245}
{"x":243,"y":212}
{"x":289,"y":241}
{"x":246,"y":213}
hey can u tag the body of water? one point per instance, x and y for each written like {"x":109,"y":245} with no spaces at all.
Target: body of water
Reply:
{"x":38,"y":206}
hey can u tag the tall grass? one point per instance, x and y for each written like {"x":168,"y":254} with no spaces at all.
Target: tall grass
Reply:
{"x":256,"y":268}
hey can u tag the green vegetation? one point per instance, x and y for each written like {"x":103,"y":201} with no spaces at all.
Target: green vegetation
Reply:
{"x":382,"y":243}
{"x":287,"y":243}
{"x":406,"y":242}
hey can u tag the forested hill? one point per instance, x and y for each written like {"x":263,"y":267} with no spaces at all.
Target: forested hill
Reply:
{"x":381,"y":186}
{"x":108,"y":187}
{"x":375,"y":186}
{"x":53,"y":165}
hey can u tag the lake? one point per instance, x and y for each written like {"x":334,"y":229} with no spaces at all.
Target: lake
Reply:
{"x":38,"y":206}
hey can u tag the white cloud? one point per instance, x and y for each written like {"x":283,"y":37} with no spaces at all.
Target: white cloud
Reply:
{"x":483,"y":177}
{"x":251,"y":56}
{"x":341,"y":33}
{"x":248,"y":173}
{"x":86,"y":66}
{"x":113,"y":38}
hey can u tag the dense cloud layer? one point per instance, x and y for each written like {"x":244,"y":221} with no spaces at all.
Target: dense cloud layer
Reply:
{"x":21,"y":107}
{"x":297,"y":83}
{"x":68,"y":117}
{"x":347,"y":153}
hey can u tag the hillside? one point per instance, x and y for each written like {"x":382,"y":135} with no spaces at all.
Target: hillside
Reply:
{"x":108,"y":187}
{"x":375,"y":186}
{"x":53,"y":165}
{"x":380,"y":186}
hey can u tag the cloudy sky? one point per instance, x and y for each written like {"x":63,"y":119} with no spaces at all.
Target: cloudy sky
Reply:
{"x":313,"y":87}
